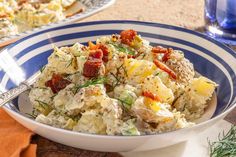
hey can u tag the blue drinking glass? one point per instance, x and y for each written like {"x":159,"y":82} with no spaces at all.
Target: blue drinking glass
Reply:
{"x":220,"y":17}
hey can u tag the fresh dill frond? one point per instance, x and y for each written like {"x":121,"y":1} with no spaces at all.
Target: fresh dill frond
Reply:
{"x":225,"y":146}
{"x":45,"y":106}
{"x":121,"y":48}
{"x":94,"y":81}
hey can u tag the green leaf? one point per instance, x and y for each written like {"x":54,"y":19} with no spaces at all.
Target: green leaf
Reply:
{"x":99,"y":80}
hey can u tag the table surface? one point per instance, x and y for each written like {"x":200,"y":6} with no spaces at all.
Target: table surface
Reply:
{"x":184,"y":13}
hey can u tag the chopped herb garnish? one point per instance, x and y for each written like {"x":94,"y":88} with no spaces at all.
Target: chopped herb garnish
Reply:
{"x":225,"y":146}
{"x":99,"y":80}
{"x":42,"y":69}
{"x":157,"y":74}
{"x":74,"y":118}
{"x":125,"y":103}
{"x":69,"y":63}
{"x":41,"y":103}
{"x":117,"y":79}
{"x":33,"y":114}
{"x":121,"y":48}
{"x":126,"y":99}
{"x":46,"y":107}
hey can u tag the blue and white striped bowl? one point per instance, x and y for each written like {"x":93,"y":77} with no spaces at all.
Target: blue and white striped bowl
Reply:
{"x":210,"y":58}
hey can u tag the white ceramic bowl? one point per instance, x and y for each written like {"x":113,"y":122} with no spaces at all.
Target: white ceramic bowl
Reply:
{"x":210,"y":58}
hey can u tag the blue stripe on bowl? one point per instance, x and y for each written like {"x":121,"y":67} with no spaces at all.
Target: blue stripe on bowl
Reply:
{"x":203,"y":36}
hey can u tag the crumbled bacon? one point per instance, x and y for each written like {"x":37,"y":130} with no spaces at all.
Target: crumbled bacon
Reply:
{"x":97,"y":48}
{"x":57,"y":83}
{"x":105,"y":52}
{"x":92,"y":67}
{"x":165,"y":51}
{"x":127,"y":36}
{"x":151,"y":95}
{"x":159,"y":49}
{"x":163,"y":67}
{"x":166,"y":56}
{"x":130,"y":56}
{"x":97,"y":54}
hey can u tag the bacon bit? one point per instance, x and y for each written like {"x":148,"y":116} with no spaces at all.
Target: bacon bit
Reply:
{"x":98,"y":54}
{"x":163,"y":67}
{"x":165,"y":51}
{"x":151,"y":95}
{"x":166,"y":56}
{"x":159,"y":49}
{"x":105,"y":52}
{"x":130,"y":56}
{"x":92,"y":67}
{"x":127,"y":36}
{"x":57,"y":83}
{"x":99,"y":47}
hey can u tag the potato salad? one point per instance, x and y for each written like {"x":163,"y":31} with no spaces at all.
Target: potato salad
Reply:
{"x":21,"y":15}
{"x":119,"y":85}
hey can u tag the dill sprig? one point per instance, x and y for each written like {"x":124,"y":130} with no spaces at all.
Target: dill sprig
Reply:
{"x":32,"y":115}
{"x":94,"y":81}
{"x":125,"y":103}
{"x":121,"y":48}
{"x":225,"y":146}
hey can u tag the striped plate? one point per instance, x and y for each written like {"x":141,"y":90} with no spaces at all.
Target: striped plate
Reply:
{"x":210,"y":58}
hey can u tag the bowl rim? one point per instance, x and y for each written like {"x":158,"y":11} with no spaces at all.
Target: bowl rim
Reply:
{"x":153,"y":24}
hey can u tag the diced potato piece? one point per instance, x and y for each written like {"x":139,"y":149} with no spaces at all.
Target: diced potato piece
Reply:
{"x":194,"y":99}
{"x":41,"y":99}
{"x":111,"y":115}
{"x":56,"y":120}
{"x":91,"y":122}
{"x":151,"y":111}
{"x":154,"y":85}
{"x":138,"y":70}
{"x":129,"y":129}
{"x":203,"y":86}
{"x":63,"y":61}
